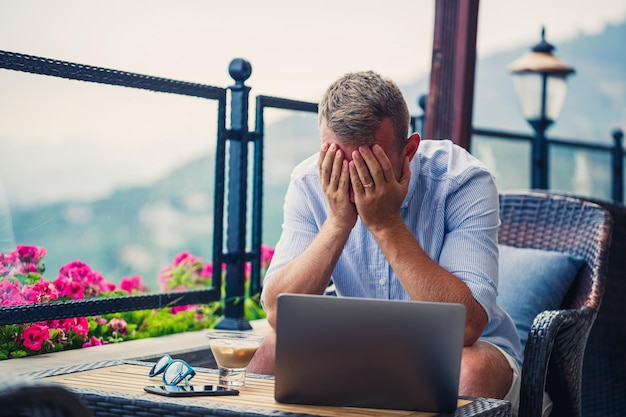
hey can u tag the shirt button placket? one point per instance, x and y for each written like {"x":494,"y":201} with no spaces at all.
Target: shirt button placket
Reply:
{"x":383,"y":276}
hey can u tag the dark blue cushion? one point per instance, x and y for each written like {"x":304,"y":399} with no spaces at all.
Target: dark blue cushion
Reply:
{"x":531,"y":281}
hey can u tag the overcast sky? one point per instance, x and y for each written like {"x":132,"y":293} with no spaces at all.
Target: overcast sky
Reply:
{"x":296,"y":49}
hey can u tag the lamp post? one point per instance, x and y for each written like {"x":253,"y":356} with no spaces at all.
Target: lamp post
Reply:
{"x":540,"y":84}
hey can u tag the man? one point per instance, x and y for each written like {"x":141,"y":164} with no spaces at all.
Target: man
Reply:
{"x":384,"y":216}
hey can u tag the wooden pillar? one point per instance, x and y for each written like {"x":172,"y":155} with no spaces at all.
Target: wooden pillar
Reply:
{"x":451,"y":95}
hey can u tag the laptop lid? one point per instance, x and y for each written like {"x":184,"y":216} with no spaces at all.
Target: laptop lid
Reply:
{"x":368,"y":353}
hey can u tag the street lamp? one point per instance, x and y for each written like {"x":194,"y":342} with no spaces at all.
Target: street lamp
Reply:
{"x":539,"y":80}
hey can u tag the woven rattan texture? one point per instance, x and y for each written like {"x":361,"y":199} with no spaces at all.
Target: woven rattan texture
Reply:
{"x":30,"y":398}
{"x":108,"y":403}
{"x":553,"y":357}
{"x":604,"y":371}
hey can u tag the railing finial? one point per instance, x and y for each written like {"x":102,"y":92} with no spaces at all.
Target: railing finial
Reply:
{"x":240,"y":70}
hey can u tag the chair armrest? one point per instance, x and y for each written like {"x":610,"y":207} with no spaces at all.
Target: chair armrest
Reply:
{"x":549,"y":328}
{"x":25,"y":397}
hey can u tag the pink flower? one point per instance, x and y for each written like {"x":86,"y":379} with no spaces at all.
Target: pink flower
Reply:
{"x":26,"y":269}
{"x":186,"y":270}
{"x":40,"y":292}
{"x":73,"y":265}
{"x":178,"y":309}
{"x":35,"y":335}
{"x":78,"y":325}
{"x":76,"y":280}
{"x":30,"y":254}
{"x":81,"y":325}
{"x":10,"y":294}
{"x":207,"y":270}
{"x":266,"y":256}
{"x":68,"y":288}
{"x":7,"y":259}
{"x":118,"y":325}
{"x":23,"y":260}
{"x":186,"y":258}
{"x":106,"y":286}
{"x":130,"y":284}
{"x":77,"y":271}
{"x":94,"y":341}
{"x":55,"y":324}
{"x":96,"y":283}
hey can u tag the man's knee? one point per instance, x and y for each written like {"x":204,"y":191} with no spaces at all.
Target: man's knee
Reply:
{"x":263,"y":360}
{"x":485,"y":372}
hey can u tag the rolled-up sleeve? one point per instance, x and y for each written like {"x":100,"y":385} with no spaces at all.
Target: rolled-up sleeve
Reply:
{"x":470,"y":246}
{"x":303,"y":215}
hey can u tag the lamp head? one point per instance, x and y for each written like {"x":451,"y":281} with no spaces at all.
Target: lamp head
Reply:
{"x":541,"y":60}
{"x":540,"y":83}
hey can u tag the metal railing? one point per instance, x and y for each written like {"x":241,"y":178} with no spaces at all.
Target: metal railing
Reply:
{"x":238,"y":181}
{"x":230,"y":231}
{"x":90,"y":307}
{"x":616,"y":150}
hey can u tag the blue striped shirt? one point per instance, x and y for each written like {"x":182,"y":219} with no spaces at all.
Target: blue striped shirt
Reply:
{"x":452,"y":210}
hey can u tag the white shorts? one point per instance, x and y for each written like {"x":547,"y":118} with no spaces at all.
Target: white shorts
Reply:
{"x":513,"y":395}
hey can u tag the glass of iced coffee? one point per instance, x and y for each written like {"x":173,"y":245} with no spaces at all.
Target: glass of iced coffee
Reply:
{"x":232,"y":351}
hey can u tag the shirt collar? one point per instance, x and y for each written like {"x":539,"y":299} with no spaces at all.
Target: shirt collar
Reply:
{"x":414,"y":165}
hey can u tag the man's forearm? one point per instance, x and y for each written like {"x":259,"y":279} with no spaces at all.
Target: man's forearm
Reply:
{"x":309,"y":272}
{"x":425,"y":280}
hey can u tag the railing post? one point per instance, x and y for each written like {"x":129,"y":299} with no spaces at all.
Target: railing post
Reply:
{"x":235,"y":257}
{"x":540,"y":155}
{"x":417,"y":122}
{"x":618,"y":166}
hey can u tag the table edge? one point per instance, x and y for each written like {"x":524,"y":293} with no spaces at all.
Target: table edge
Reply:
{"x":487,"y":407}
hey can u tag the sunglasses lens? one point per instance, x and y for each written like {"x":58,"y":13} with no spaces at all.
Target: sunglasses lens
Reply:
{"x":159,"y":366}
{"x":176,"y":372}
{"x":173,"y":373}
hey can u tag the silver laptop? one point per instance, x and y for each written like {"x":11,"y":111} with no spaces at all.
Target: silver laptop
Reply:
{"x":368,"y":353}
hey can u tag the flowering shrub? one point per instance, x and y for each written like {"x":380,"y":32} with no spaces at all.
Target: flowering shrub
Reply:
{"x":189,"y":271}
{"x":22,"y":282}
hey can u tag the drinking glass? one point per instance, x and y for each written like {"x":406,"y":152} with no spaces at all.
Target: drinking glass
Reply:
{"x":232,"y":351}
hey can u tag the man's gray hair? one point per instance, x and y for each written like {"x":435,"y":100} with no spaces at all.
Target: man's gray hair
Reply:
{"x":354,"y":106}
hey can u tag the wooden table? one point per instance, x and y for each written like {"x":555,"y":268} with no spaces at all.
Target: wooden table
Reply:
{"x":116,"y":388}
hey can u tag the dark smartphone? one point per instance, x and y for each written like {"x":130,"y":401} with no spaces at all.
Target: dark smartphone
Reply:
{"x":190,"y":391}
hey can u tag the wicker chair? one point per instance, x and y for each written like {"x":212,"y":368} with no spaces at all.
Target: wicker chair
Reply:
{"x":604,"y":370}
{"x":29,"y":398}
{"x":553,"y":356}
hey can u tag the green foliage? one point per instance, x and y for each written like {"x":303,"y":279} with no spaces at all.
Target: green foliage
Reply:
{"x":153,"y":323}
{"x":8,"y":342}
{"x":76,"y":280}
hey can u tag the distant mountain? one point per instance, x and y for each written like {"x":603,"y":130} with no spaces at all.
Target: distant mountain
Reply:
{"x":139,"y":230}
{"x":134,"y":231}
